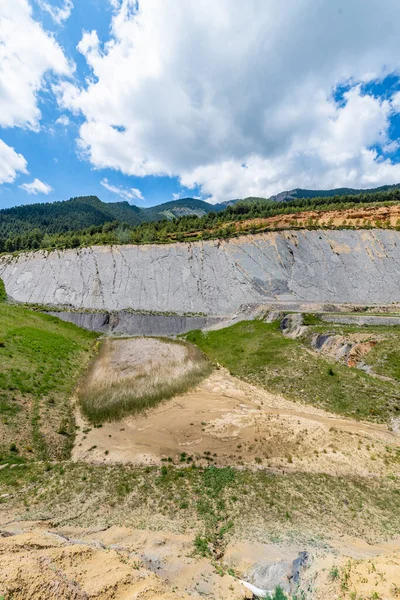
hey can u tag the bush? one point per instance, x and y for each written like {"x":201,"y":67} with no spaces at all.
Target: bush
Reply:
{"x":201,"y":545}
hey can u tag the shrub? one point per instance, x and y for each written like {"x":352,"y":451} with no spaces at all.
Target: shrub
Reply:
{"x":334,"y":573}
{"x":201,"y":545}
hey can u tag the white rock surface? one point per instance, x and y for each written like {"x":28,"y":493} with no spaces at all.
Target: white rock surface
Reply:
{"x":214,"y":277}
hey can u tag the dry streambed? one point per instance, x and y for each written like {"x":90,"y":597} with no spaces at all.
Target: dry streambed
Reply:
{"x":225,"y":421}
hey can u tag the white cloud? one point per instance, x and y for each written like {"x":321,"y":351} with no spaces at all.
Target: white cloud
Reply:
{"x":59,"y":14}
{"x":199,"y":89}
{"x":11,"y":163}
{"x":63,"y":120}
{"x":128,"y":194}
{"x":27,"y":55}
{"x":37,"y":187}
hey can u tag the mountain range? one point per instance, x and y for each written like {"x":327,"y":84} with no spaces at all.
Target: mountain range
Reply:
{"x":300,"y":193}
{"x":87,"y":211}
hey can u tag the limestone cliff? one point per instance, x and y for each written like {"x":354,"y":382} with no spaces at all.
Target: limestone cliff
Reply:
{"x":213,"y":277}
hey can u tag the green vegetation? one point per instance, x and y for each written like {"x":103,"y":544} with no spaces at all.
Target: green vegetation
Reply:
{"x":279,"y":594}
{"x":41,"y":359}
{"x":129,"y":496}
{"x":385,"y":357}
{"x":260,"y":354}
{"x":87,"y":221}
{"x":3,"y":294}
{"x":108,"y":394}
{"x":41,"y":225}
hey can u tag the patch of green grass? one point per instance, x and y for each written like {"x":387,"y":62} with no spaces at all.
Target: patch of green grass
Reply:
{"x":385,"y":357}
{"x":3,"y":294}
{"x":201,"y":545}
{"x":259,"y":353}
{"x":41,"y":360}
{"x":8,"y":406}
{"x":310,"y":319}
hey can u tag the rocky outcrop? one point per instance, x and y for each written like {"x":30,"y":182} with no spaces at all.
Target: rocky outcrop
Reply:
{"x":127,"y":323}
{"x":213,"y":277}
{"x":292,"y":326}
{"x":350,"y":349}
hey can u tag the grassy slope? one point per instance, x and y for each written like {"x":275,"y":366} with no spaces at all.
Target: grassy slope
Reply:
{"x":40,"y":361}
{"x":259,"y":353}
{"x":214,"y":502}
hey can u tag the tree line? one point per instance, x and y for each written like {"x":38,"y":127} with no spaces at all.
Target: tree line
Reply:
{"x":210,"y":226}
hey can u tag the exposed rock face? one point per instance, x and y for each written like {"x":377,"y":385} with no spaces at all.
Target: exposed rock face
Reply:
{"x":350,"y":349}
{"x":126,"y":323}
{"x":214,"y":277}
{"x":292,"y":326}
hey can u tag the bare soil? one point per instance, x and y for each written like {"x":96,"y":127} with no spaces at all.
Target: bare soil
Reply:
{"x":71,"y":563}
{"x":225,"y":421}
{"x":354,"y":217}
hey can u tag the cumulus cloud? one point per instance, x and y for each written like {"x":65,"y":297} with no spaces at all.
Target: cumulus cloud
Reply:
{"x":59,"y":14}
{"x":37,"y":187}
{"x":11,"y":163}
{"x":239,"y":98}
{"x":128,"y":194}
{"x":27,"y":54}
{"x":63,"y":120}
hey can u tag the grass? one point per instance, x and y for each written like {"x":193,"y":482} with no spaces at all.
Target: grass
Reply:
{"x":3,"y":294}
{"x":278,"y":594}
{"x":41,"y":359}
{"x":259,"y":353}
{"x":385,"y":357}
{"x":100,"y":495}
{"x":120,"y":383}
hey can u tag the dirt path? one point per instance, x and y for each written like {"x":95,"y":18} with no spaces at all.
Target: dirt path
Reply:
{"x":227,"y":421}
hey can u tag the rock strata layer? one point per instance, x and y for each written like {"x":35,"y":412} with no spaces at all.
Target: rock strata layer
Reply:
{"x":213,"y":277}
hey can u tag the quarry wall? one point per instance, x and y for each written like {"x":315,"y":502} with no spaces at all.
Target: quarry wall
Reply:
{"x":125,"y":323}
{"x":213,"y":277}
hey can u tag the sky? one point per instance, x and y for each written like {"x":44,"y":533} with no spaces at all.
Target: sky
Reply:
{"x":152,"y":100}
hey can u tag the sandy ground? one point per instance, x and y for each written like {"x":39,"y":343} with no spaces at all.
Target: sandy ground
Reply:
{"x":40,"y":562}
{"x":227,"y":421}
{"x":223,"y":421}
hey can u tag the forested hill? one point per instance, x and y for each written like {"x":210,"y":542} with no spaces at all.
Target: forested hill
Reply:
{"x":84,"y":212}
{"x":300,"y":193}
{"x":120,"y":223}
{"x":31,"y":224}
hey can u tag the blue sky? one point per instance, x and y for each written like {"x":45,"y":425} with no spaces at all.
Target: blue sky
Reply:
{"x":148,"y":101}
{"x":51,"y":153}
